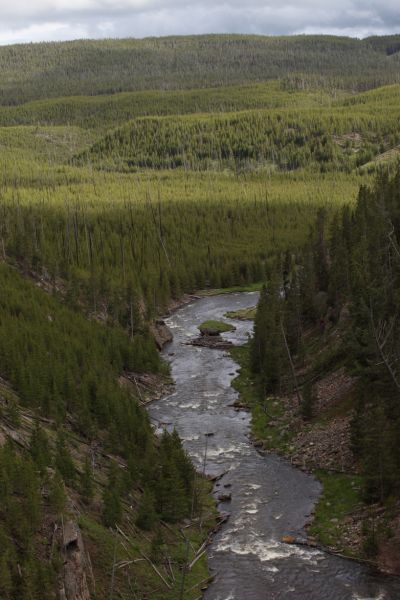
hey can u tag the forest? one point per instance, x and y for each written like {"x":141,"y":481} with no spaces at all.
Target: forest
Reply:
{"x":132,"y":173}
{"x":91,"y":67}
{"x":341,"y":289}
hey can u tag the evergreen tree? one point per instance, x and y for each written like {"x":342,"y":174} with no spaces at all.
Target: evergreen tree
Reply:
{"x":86,"y":483}
{"x":112,"y":506}
{"x":63,"y":460}
{"x":57,"y":495}
{"x":40,"y":449}
{"x":146,"y":516}
{"x":157,"y":546}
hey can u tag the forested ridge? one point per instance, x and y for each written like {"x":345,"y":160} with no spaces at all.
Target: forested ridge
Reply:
{"x":32,"y":71}
{"x":283,"y":139}
{"x":132,"y":173}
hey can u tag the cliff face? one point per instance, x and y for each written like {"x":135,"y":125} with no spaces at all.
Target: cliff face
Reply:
{"x":73,"y":584}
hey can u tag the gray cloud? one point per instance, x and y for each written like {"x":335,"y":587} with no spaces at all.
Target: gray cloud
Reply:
{"x":34,"y":20}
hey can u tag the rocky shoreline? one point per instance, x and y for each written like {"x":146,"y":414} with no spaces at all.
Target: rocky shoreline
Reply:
{"x":327,"y":447}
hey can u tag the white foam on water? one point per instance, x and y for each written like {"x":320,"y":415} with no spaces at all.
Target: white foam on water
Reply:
{"x":233,"y":466}
{"x":214,"y":452}
{"x":190,"y":438}
{"x":271,"y":569}
{"x":197,"y":457}
{"x":252,"y":509}
{"x":265,"y":551}
{"x":380,"y":596}
{"x":190,"y":405}
{"x":229,"y":451}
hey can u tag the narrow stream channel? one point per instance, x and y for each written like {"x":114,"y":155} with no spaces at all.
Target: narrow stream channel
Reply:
{"x":269,"y":497}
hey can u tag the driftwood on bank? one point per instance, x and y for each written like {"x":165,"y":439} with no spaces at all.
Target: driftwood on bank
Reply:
{"x":146,"y":558}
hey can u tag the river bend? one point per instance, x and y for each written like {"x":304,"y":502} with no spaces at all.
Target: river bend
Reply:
{"x":269,"y":497}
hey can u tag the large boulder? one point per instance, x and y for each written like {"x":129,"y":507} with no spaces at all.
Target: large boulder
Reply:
{"x":161,"y":333}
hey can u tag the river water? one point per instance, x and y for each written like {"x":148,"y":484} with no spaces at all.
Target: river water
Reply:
{"x":269,"y":497}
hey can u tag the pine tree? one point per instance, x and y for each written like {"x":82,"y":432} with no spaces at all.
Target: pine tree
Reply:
{"x":146,"y":516}
{"x":86,"y":483}
{"x":112,"y":506}
{"x":157,"y":546}
{"x":40,"y":449}
{"x":57,"y":495}
{"x":63,"y":460}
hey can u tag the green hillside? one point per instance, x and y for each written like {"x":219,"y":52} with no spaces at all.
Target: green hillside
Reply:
{"x":133,"y":172}
{"x":34,"y":71}
{"x":110,"y":110}
{"x":339,"y":137}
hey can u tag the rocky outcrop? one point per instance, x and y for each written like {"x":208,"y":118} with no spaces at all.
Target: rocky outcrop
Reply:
{"x":74,"y":583}
{"x":161,"y":333}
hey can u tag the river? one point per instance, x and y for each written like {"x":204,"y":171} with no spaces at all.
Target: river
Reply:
{"x":270,"y":498}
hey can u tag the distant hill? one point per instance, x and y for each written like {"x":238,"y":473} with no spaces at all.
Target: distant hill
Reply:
{"x":340,"y":135}
{"x":92,"y":67}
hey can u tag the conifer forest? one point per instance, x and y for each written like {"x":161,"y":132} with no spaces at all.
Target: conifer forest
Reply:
{"x":135,"y":174}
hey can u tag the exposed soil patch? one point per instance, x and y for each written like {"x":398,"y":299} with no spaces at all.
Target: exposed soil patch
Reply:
{"x":331,"y":390}
{"x":325,"y":447}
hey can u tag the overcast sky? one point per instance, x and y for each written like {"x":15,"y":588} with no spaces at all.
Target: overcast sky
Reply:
{"x":37,"y":20}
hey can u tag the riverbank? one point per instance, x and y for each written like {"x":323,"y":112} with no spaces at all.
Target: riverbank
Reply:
{"x":341,"y":522}
{"x":266,"y":497}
